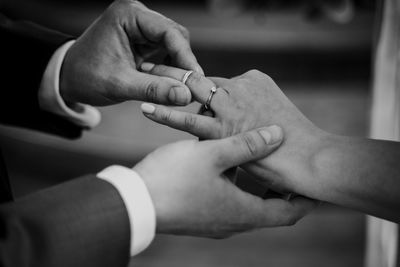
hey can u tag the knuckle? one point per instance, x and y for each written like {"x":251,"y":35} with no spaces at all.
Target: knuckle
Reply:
{"x":253,"y":72}
{"x":190,"y":122}
{"x":133,"y":2}
{"x":172,"y":31}
{"x":266,"y":76}
{"x":250,"y":144}
{"x":121,"y":2}
{"x":115,"y":9}
{"x":185,"y":32}
{"x":150,"y":92}
{"x":195,"y":78}
{"x":127,"y":3}
{"x":122,"y":11}
{"x":159,"y":69}
{"x":175,"y":25}
{"x":268,"y":79}
{"x":166,"y":116}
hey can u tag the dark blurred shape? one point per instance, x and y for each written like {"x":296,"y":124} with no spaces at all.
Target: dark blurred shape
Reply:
{"x":273,"y":36}
{"x":339,"y":11}
{"x":5,"y":188}
{"x":226,"y":7}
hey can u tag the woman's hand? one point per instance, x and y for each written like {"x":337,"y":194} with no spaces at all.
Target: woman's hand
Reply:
{"x":246,"y":102}
{"x":192,"y":196}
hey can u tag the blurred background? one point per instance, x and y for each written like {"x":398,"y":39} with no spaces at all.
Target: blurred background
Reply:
{"x":319,"y":52}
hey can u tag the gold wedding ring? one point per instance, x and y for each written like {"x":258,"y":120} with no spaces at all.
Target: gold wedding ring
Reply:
{"x":186,"y":76}
{"x":210,"y":96}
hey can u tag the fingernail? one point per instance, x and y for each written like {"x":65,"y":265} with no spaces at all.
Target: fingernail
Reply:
{"x":272,"y":134}
{"x":147,"y":66}
{"x":179,"y":96}
{"x":147,"y":108}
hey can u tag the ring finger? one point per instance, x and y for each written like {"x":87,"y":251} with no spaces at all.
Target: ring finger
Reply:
{"x":198,"y":84}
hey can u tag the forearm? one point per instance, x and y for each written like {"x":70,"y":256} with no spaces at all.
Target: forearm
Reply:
{"x":25,"y":53}
{"x":359,"y":173}
{"x":85,"y":218}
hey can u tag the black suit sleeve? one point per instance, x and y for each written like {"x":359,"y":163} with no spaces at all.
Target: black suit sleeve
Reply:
{"x":25,"y":50}
{"x":80,"y":223}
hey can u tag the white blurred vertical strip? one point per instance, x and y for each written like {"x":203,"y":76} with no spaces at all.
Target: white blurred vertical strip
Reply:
{"x":382,"y":236}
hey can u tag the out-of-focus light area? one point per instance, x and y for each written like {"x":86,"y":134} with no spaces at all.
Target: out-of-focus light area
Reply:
{"x":319,"y":53}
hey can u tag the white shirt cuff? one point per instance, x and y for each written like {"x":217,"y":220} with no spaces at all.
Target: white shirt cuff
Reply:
{"x":139,"y":206}
{"x":51,"y":100}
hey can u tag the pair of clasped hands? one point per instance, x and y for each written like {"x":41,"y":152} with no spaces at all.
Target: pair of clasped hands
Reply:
{"x":253,"y":125}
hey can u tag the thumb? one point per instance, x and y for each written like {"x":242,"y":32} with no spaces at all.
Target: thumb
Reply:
{"x":250,"y":146}
{"x":155,"y":89}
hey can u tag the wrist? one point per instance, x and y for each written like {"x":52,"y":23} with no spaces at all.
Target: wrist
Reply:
{"x":138,"y":204}
{"x":50,"y":99}
{"x":156,"y":192}
{"x":297,"y":160}
{"x":322,"y":164}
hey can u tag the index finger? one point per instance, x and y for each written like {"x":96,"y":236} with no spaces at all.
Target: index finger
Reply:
{"x":246,"y":147}
{"x":157,"y":27}
{"x":180,"y":51}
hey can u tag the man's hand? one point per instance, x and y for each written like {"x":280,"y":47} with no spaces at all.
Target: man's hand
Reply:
{"x":192,"y":196}
{"x":101,"y":67}
{"x":246,"y":102}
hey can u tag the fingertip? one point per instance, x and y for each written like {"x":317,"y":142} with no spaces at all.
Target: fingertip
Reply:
{"x":147,"y":66}
{"x":272,"y":135}
{"x":148,"y":108}
{"x":304,"y":204}
{"x":266,"y":135}
{"x":180,"y":96}
{"x":276,"y":132}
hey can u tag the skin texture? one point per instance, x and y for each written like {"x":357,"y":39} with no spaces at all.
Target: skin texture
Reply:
{"x":354,"y":172}
{"x":243,"y":103}
{"x":197,"y":199}
{"x":101,"y":67}
{"x":187,"y":185}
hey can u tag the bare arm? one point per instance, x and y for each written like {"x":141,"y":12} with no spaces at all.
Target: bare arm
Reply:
{"x":360,"y":173}
{"x":353,"y":172}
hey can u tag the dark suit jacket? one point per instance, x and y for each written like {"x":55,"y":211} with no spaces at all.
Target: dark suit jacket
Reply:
{"x":80,"y":223}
